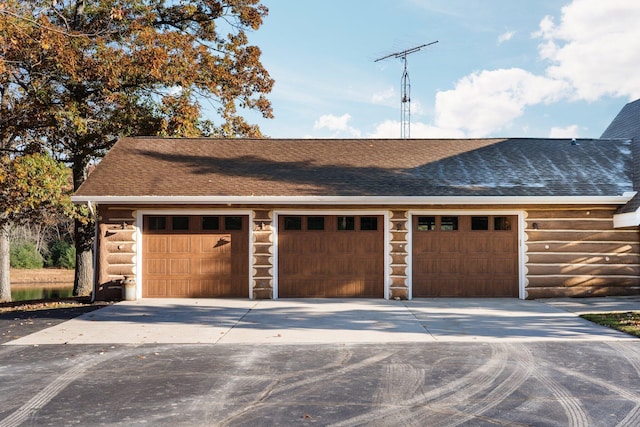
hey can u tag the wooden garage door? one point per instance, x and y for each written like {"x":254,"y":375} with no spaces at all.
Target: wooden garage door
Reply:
{"x":465,"y":256}
{"x":331,"y":256}
{"x":195,"y":256}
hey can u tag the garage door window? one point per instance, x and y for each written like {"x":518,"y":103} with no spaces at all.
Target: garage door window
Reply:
{"x":480,"y":223}
{"x":293,"y":223}
{"x":180,"y":223}
{"x":232,"y":223}
{"x":426,"y":223}
{"x":502,"y":223}
{"x":315,"y":223}
{"x":210,"y":223}
{"x":346,"y":223}
{"x":449,"y":223}
{"x":157,"y":223}
{"x":368,"y":223}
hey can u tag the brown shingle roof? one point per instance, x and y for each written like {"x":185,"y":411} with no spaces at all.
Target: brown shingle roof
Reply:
{"x":362,"y":167}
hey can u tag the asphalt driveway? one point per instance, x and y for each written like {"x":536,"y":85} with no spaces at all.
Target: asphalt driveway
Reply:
{"x":323,"y":362}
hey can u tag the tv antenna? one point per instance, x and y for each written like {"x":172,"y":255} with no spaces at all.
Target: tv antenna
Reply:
{"x":405,"y":97}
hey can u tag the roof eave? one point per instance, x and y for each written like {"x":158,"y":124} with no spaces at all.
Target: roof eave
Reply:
{"x":355,"y":200}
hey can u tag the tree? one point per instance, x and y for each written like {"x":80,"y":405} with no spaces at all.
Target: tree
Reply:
{"x":81,"y":74}
{"x":33,"y":187}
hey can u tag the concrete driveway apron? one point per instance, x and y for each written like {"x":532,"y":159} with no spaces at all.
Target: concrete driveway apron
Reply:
{"x":286,"y":321}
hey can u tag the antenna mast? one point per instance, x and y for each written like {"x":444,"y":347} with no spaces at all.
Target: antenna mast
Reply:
{"x":405,"y":84}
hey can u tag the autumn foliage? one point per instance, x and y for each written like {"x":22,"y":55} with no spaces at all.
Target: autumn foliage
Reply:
{"x":77,"y":74}
{"x":33,"y":187}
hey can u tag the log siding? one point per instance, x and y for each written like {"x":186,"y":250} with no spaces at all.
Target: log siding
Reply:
{"x":262,"y":274}
{"x":566,"y":250}
{"x":399,"y":254}
{"x":578,"y":253}
{"x":116,"y":251}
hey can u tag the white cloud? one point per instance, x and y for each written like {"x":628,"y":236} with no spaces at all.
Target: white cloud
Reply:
{"x":385,"y":97}
{"x":422,"y":130}
{"x":391,"y":129}
{"x":332,"y":122}
{"x":594,"y":47}
{"x":337,"y":124}
{"x":386,"y":129}
{"x":592,"y":53}
{"x":487,"y":101}
{"x":570,"y":131}
{"x":506,"y":36}
{"x":417,"y":109}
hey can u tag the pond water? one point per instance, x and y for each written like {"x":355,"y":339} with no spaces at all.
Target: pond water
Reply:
{"x":40,"y":291}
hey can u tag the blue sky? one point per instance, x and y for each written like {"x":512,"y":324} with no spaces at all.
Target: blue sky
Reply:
{"x":517,"y":68}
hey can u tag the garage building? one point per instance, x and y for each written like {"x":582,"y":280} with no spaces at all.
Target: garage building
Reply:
{"x":407,"y":218}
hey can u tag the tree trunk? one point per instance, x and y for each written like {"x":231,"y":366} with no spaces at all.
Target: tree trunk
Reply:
{"x":83,"y":233}
{"x":83,"y":283}
{"x":5,"y":265}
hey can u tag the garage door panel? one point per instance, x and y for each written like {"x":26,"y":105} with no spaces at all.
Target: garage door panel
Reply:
{"x":479,"y":265}
{"x":367,"y":265}
{"x":504,"y":244}
{"x":180,"y":266}
{"x":479,"y":244}
{"x":343,"y":243}
{"x":156,"y":244}
{"x":179,"y":287}
{"x":452,"y":244}
{"x":464,"y":262}
{"x":156,"y":266}
{"x":156,"y":288}
{"x":504,"y":266}
{"x":502,"y":287}
{"x":446,"y":266}
{"x":219,"y":244}
{"x":221,"y":267}
{"x":180,"y":244}
{"x":367,"y":245}
{"x":346,"y":288}
{"x":442,"y":287}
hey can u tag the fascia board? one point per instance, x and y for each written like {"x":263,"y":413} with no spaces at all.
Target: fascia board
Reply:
{"x":628,"y":219}
{"x":355,"y":200}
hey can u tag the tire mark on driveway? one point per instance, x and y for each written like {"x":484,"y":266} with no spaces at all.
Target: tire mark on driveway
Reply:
{"x":572,"y":407}
{"x":632,"y":418}
{"x":37,"y":402}
{"x":499,"y":391}
{"x":399,"y":381}
{"x":474,"y":382}
{"x":279,"y":387}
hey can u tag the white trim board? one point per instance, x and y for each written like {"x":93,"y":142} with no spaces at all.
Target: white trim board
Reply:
{"x":359,"y":200}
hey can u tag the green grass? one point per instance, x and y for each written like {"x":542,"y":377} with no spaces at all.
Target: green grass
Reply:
{"x":628,"y":322}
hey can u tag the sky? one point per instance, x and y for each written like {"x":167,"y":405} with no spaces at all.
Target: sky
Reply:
{"x":501,"y":68}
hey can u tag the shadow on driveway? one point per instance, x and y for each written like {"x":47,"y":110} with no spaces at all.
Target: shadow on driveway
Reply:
{"x":303,"y":321}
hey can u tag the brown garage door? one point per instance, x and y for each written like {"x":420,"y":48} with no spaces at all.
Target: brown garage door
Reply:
{"x":465,"y":256}
{"x":331,"y":256}
{"x":195,"y":256}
